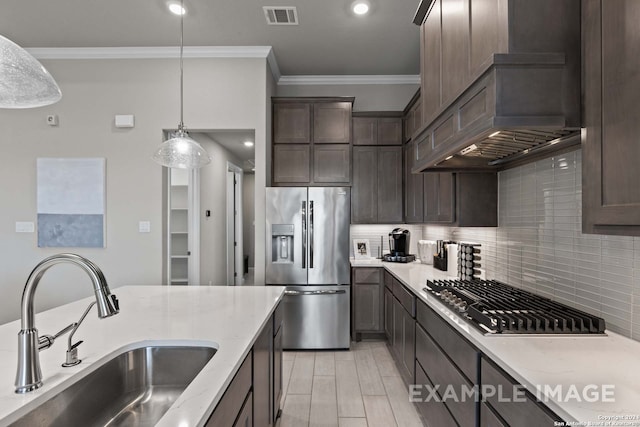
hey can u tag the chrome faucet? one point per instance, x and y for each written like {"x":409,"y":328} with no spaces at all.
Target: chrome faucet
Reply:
{"x":29,"y":376}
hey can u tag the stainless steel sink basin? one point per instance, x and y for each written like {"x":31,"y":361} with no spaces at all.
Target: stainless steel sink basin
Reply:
{"x":135,"y":388}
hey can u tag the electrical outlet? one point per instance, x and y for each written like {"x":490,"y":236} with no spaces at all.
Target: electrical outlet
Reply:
{"x":144,"y":227}
{"x":25,"y":227}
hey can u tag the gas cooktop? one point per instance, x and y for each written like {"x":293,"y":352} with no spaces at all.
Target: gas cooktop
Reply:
{"x":497,"y":308}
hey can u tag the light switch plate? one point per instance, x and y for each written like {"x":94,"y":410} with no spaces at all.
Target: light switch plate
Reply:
{"x":144,"y":226}
{"x":25,"y":227}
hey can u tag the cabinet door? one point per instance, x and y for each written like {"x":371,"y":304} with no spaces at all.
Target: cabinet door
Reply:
{"x":414,"y":188}
{"x":277,"y":374}
{"x":365,"y":186}
{"x":439,"y":197}
{"x":332,"y":164}
{"x":388,"y":315}
{"x":292,"y":123}
{"x":365,"y":131}
{"x":245,"y":418}
{"x":368,"y":311}
{"x":610,"y":172}
{"x":389,"y":175}
{"x":262,"y":372}
{"x":291,"y":164}
{"x":455,"y":47}
{"x":408,"y":345}
{"x":433,"y":411}
{"x":430,"y":95}
{"x":367,"y":306}
{"x":332,"y":122}
{"x":389,"y":131}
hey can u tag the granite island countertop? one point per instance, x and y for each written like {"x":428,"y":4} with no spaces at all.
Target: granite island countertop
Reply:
{"x":554,"y":361}
{"x":227,"y":318}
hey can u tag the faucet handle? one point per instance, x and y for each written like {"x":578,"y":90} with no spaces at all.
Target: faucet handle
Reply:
{"x":72,"y":356}
{"x":115,"y":301}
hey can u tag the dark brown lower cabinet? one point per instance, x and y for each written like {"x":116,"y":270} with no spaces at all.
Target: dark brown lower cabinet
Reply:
{"x":245,"y":419}
{"x":404,"y":329}
{"x":262,"y":377}
{"x":253,"y":397}
{"x":367,"y":297}
{"x":277,"y":368}
{"x":388,"y":315}
{"x":433,"y":411}
{"x":516,"y":412}
{"x":230,"y":406}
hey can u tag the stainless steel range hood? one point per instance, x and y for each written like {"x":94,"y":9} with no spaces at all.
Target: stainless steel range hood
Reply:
{"x":513,"y":103}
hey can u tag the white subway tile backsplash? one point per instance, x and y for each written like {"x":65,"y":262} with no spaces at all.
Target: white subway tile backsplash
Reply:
{"x":539,"y":246}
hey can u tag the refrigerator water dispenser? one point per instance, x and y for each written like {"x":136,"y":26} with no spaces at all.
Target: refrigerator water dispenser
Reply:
{"x":282,"y":243}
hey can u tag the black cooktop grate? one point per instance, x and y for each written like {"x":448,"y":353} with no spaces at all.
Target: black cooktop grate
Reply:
{"x":501,"y":308}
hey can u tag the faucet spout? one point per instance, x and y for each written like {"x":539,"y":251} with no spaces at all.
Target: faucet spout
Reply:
{"x":29,"y":376}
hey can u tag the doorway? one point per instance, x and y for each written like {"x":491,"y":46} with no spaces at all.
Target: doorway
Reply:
{"x":235,"y":258}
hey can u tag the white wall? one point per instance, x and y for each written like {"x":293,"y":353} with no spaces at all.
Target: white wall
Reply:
{"x":390,"y":97}
{"x":219,"y":94}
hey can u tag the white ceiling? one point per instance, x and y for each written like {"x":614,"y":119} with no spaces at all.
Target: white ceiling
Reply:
{"x":329,"y":40}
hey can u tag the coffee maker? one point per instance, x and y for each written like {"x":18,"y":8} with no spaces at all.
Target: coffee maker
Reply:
{"x":399,"y":240}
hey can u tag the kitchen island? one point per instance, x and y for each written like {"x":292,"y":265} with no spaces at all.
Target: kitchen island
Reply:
{"x":229,"y":319}
{"x":583,"y":379}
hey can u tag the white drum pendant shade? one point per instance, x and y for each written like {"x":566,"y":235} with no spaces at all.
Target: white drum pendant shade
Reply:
{"x":24,"y":82}
{"x":181,"y":152}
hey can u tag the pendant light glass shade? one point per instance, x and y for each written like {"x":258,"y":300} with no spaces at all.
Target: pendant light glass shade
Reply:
{"x":181,"y":152}
{"x":24,"y":82}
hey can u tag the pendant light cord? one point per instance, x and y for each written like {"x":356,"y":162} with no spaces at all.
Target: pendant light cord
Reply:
{"x":182,"y":12}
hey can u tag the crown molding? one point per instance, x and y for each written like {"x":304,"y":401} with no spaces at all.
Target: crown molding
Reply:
{"x":164,"y":52}
{"x":350,"y":80}
{"x":150,"y":52}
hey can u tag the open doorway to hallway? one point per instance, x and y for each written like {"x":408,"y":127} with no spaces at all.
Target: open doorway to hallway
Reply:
{"x":227,"y":208}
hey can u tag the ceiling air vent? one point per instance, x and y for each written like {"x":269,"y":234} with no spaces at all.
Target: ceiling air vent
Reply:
{"x":281,"y":15}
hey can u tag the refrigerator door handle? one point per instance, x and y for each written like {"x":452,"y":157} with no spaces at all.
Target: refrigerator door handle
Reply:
{"x":304,"y":234}
{"x":327,"y":292}
{"x":311,"y":234}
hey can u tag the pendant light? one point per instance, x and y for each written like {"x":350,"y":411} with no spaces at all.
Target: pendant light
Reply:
{"x":181,"y":151}
{"x":24,"y":82}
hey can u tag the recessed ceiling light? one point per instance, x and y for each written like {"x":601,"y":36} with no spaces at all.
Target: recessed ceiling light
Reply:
{"x":176,"y":8}
{"x":360,"y":7}
{"x":248,"y":144}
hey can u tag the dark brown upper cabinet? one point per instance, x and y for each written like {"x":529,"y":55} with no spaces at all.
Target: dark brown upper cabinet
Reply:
{"x":332,"y":122}
{"x":377,"y":128}
{"x":311,"y":141}
{"x":412,"y":116}
{"x":610,"y":148}
{"x":292,"y":123}
{"x":376,"y":194}
{"x":500,"y":81}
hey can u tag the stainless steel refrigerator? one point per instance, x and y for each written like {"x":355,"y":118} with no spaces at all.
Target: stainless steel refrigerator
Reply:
{"x":308,"y":252}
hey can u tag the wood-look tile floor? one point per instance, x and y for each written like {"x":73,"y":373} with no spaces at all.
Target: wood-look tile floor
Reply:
{"x":357,"y":388}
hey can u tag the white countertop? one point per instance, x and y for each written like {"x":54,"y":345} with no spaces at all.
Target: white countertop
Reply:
{"x":533,"y":361}
{"x":228,"y":318}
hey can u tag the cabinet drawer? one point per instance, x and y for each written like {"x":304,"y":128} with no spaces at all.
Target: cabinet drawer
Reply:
{"x":231,"y":403}
{"x":444,"y":375}
{"x":277,"y":318}
{"x":366,"y":275}
{"x":406,"y":298}
{"x":461,"y":352}
{"x":488,"y":418}
{"x":433,"y":412}
{"x":525,"y":413}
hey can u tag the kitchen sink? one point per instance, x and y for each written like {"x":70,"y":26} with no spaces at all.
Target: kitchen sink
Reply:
{"x":134,"y":388}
